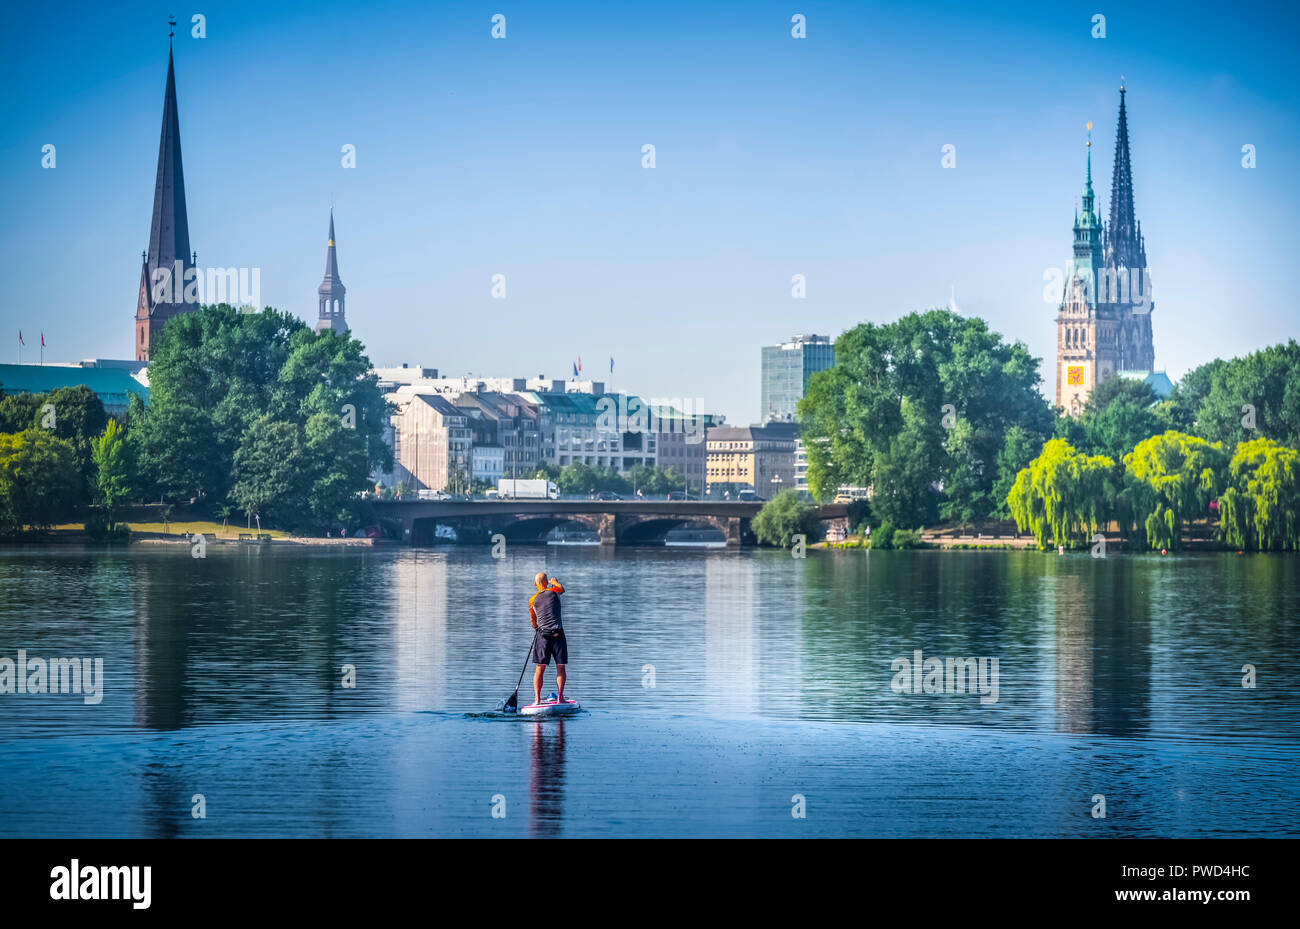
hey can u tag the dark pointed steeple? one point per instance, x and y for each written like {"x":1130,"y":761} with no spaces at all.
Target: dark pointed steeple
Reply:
{"x":169,"y":236}
{"x":169,"y":230}
{"x":331,"y":291}
{"x":1124,"y":246}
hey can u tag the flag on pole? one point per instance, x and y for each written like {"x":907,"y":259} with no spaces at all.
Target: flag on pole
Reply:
{"x":611,"y":364}
{"x":579,"y":362}
{"x":42,"y":338}
{"x":20,"y":338}
{"x":575,"y":369}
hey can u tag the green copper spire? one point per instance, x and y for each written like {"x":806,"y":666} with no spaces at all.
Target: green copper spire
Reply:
{"x":1087,"y":235}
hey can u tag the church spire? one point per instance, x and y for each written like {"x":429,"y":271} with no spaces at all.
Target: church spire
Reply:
{"x":331,"y":292}
{"x":169,"y":233}
{"x":1124,"y":245}
{"x":169,"y":229}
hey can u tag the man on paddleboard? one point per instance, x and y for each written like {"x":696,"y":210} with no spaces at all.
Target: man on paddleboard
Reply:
{"x":544,"y":614}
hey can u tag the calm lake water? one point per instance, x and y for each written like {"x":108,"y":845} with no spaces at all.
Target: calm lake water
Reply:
{"x":718,"y":686}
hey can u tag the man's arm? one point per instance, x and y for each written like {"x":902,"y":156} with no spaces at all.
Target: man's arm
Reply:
{"x":557,"y":586}
{"x":532,"y":613}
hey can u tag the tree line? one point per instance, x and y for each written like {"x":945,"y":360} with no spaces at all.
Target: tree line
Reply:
{"x":944,"y":421}
{"x":250,"y":411}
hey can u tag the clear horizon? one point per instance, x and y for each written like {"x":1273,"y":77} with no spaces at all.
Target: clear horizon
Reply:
{"x":774,"y":156}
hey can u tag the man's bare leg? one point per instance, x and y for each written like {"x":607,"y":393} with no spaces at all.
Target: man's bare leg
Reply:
{"x":538,"y":676}
{"x":559,"y":682}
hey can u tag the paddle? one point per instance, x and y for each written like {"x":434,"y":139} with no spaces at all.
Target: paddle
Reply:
{"x":513,"y":703}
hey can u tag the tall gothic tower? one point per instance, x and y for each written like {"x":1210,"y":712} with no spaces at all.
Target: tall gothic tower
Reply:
{"x":1104,"y":323}
{"x":331,"y":291}
{"x":162,"y":295}
{"x":1127,"y":280}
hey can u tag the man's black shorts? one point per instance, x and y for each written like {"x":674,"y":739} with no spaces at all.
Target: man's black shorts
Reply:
{"x":550,"y":645}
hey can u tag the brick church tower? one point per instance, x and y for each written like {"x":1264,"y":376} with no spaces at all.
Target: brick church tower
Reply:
{"x":169,"y":234}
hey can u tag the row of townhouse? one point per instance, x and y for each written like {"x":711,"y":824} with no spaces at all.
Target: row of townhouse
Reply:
{"x":448,"y":433}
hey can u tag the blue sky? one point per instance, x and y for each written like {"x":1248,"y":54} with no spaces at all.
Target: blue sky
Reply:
{"x":774,"y":157}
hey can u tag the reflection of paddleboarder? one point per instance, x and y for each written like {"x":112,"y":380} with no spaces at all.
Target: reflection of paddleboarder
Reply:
{"x":544,"y":614}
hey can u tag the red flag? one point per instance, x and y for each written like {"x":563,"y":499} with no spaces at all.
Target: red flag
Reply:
{"x":42,"y":338}
{"x":579,"y":362}
{"x":20,"y":338}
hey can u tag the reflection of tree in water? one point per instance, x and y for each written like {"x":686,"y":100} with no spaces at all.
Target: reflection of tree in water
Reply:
{"x":1103,"y":648}
{"x":546,"y":783}
{"x":249,"y":635}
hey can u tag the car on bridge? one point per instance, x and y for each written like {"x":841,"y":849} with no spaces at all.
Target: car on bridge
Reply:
{"x":681,"y":495}
{"x":608,"y":495}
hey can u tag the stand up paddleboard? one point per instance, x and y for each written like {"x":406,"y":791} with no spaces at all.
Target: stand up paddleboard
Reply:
{"x":550,"y":707}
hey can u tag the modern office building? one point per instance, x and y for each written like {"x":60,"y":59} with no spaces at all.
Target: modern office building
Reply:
{"x":786,"y":370}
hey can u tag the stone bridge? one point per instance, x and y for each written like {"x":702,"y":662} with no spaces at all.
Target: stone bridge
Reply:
{"x":617,"y":522}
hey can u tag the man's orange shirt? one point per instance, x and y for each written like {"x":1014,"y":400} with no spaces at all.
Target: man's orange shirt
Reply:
{"x":532,"y":613}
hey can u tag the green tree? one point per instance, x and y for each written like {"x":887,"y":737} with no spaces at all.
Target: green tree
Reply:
{"x":20,"y":411}
{"x":268,"y":471}
{"x":74,"y":414}
{"x":919,"y":409}
{"x":40,"y":479}
{"x":905,"y":472}
{"x":1260,"y":509}
{"x":1116,"y":428}
{"x":576,"y":478}
{"x":1169,"y":480}
{"x":113,"y":471}
{"x":782,"y":518}
{"x":1138,"y":393}
{"x":1019,"y":448}
{"x":1064,"y":496}
{"x":1263,"y":388}
{"x":220,"y":377}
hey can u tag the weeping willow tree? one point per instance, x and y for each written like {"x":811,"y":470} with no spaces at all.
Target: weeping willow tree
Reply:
{"x":1064,"y":495}
{"x":1260,"y":509}
{"x":1169,"y":480}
